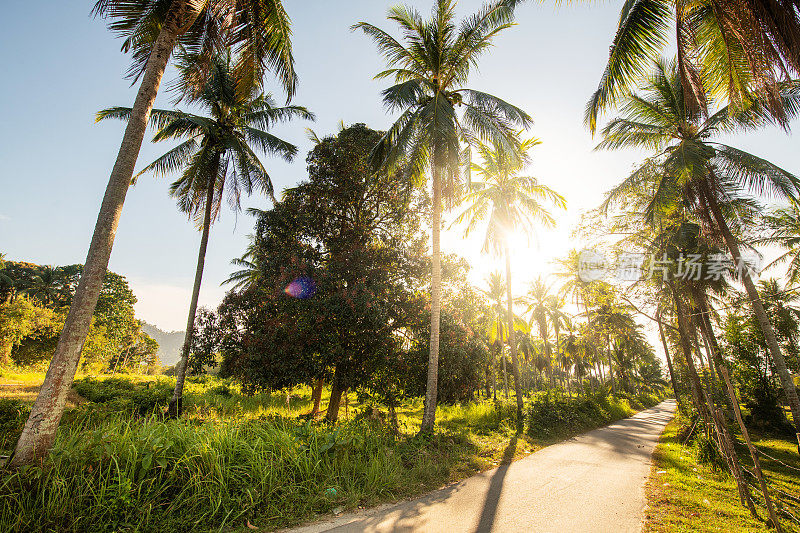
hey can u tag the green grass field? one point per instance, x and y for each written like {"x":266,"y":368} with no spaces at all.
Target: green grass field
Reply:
{"x":685,"y":495}
{"x":236,"y":459}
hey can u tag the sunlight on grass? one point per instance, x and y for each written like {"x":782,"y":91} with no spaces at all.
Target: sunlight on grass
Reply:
{"x":684,"y":495}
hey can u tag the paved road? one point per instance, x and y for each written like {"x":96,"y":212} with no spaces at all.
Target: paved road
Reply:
{"x":594,"y":482}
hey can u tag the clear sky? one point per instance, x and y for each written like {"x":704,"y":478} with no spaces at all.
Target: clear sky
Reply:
{"x":60,"y":66}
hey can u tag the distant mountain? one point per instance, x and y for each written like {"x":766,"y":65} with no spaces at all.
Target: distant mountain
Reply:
{"x":169,"y":343}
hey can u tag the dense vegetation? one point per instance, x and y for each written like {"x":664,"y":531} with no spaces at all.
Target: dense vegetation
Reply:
{"x":343,"y":295}
{"x":235,"y":459}
{"x":34,"y":301}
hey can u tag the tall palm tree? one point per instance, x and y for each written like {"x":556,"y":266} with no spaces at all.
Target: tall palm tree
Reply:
{"x":216,"y":159}
{"x":259,"y":32}
{"x":512,"y":203}
{"x":784,"y":228}
{"x":701,"y":174}
{"x":537,"y":299}
{"x":498,"y":334}
{"x":611,"y":320}
{"x":440,"y":117}
{"x":558,"y":319}
{"x":736,"y":47}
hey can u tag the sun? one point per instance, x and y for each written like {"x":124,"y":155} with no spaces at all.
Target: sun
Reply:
{"x":532,"y":256}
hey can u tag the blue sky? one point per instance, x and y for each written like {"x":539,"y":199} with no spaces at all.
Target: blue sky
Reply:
{"x":61,"y":66}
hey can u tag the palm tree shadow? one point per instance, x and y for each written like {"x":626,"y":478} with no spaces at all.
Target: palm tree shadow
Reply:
{"x":489,"y":511}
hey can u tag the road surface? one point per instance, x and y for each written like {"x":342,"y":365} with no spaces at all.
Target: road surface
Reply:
{"x":593,"y":482}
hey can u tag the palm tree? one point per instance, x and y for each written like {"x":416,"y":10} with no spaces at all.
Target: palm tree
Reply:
{"x":498,"y":334}
{"x":736,"y":47}
{"x":249,"y":270}
{"x":784,"y":227}
{"x":537,"y":299}
{"x":47,"y":286}
{"x":439,"y":117}
{"x":558,"y":318}
{"x":696,"y":172}
{"x":215,"y":159}
{"x":512,"y":203}
{"x":611,"y":320}
{"x":259,"y":32}
{"x":781,"y":305}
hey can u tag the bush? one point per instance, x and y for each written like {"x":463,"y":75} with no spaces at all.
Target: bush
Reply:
{"x":13,"y":414}
{"x":553,"y":415}
{"x":123,"y":395}
{"x":707,"y":452}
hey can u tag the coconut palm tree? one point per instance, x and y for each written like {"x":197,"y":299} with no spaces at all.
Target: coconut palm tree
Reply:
{"x":440,"y":118}
{"x":558,"y":319}
{"x":700,"y":173}
{"x":249,"y":271}
{"x":512,"y":204}
{"x":498,"y":334}
{"x":784,"y":227}
{"x":736,"y":47}
{"x":537,"y":299}
{"x":46,"y":286}
{"x":259,"y":33}
{"x":216,"y":158}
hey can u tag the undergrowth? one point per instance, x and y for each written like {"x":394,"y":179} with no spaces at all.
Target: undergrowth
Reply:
{"x":117,"y":465}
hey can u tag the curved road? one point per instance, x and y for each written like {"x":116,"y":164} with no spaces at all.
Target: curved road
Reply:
{"x":593,"y":482}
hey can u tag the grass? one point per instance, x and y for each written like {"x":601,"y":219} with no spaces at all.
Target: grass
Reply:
{"x":235,"y":460}
{"x":685,"y":495}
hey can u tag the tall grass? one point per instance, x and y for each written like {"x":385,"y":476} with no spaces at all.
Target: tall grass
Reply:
{"x":181,"y":475}
{"x":117,"y":465}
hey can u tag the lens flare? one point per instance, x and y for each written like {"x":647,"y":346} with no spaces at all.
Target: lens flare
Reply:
{"x":302,"y":288}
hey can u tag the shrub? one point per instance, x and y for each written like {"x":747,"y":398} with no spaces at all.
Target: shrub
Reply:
{"x":123,"y":395}
{"x":13,"y":414}
{"x":554,"y":415}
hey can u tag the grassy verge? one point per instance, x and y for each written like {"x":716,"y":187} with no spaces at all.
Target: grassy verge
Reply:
{"x":685,"y":495}
{"x":235,"y":460}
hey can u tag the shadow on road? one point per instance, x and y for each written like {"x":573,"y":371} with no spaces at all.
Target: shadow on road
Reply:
{"x":496,"y":488}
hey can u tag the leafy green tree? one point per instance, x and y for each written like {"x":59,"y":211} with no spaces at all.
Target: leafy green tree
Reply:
{"x":696,"y":171}
{"x":217,"y":159}
{"x":512,"y":203}
{"x":18,"y":320}
{"x":441,"y":119}
{"x":341,"y":260}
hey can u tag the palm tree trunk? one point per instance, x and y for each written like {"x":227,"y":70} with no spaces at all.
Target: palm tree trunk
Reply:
{"x":753,"y":452}
{"x":758,"y":310}
{"x":666,"y":355}
{"x":708,"y":332}
{"x":708,"y":377}
{"x":505,"y":374}
{"x":40,"y":429}
{"x":175,"y":408}
{"x":429,"y":413}
{"x":611,"y":366}
{"x":512,"y":337}
{"x":696,"y":386}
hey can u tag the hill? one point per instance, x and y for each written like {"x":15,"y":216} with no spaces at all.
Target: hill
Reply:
{"x":169,"y":343}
